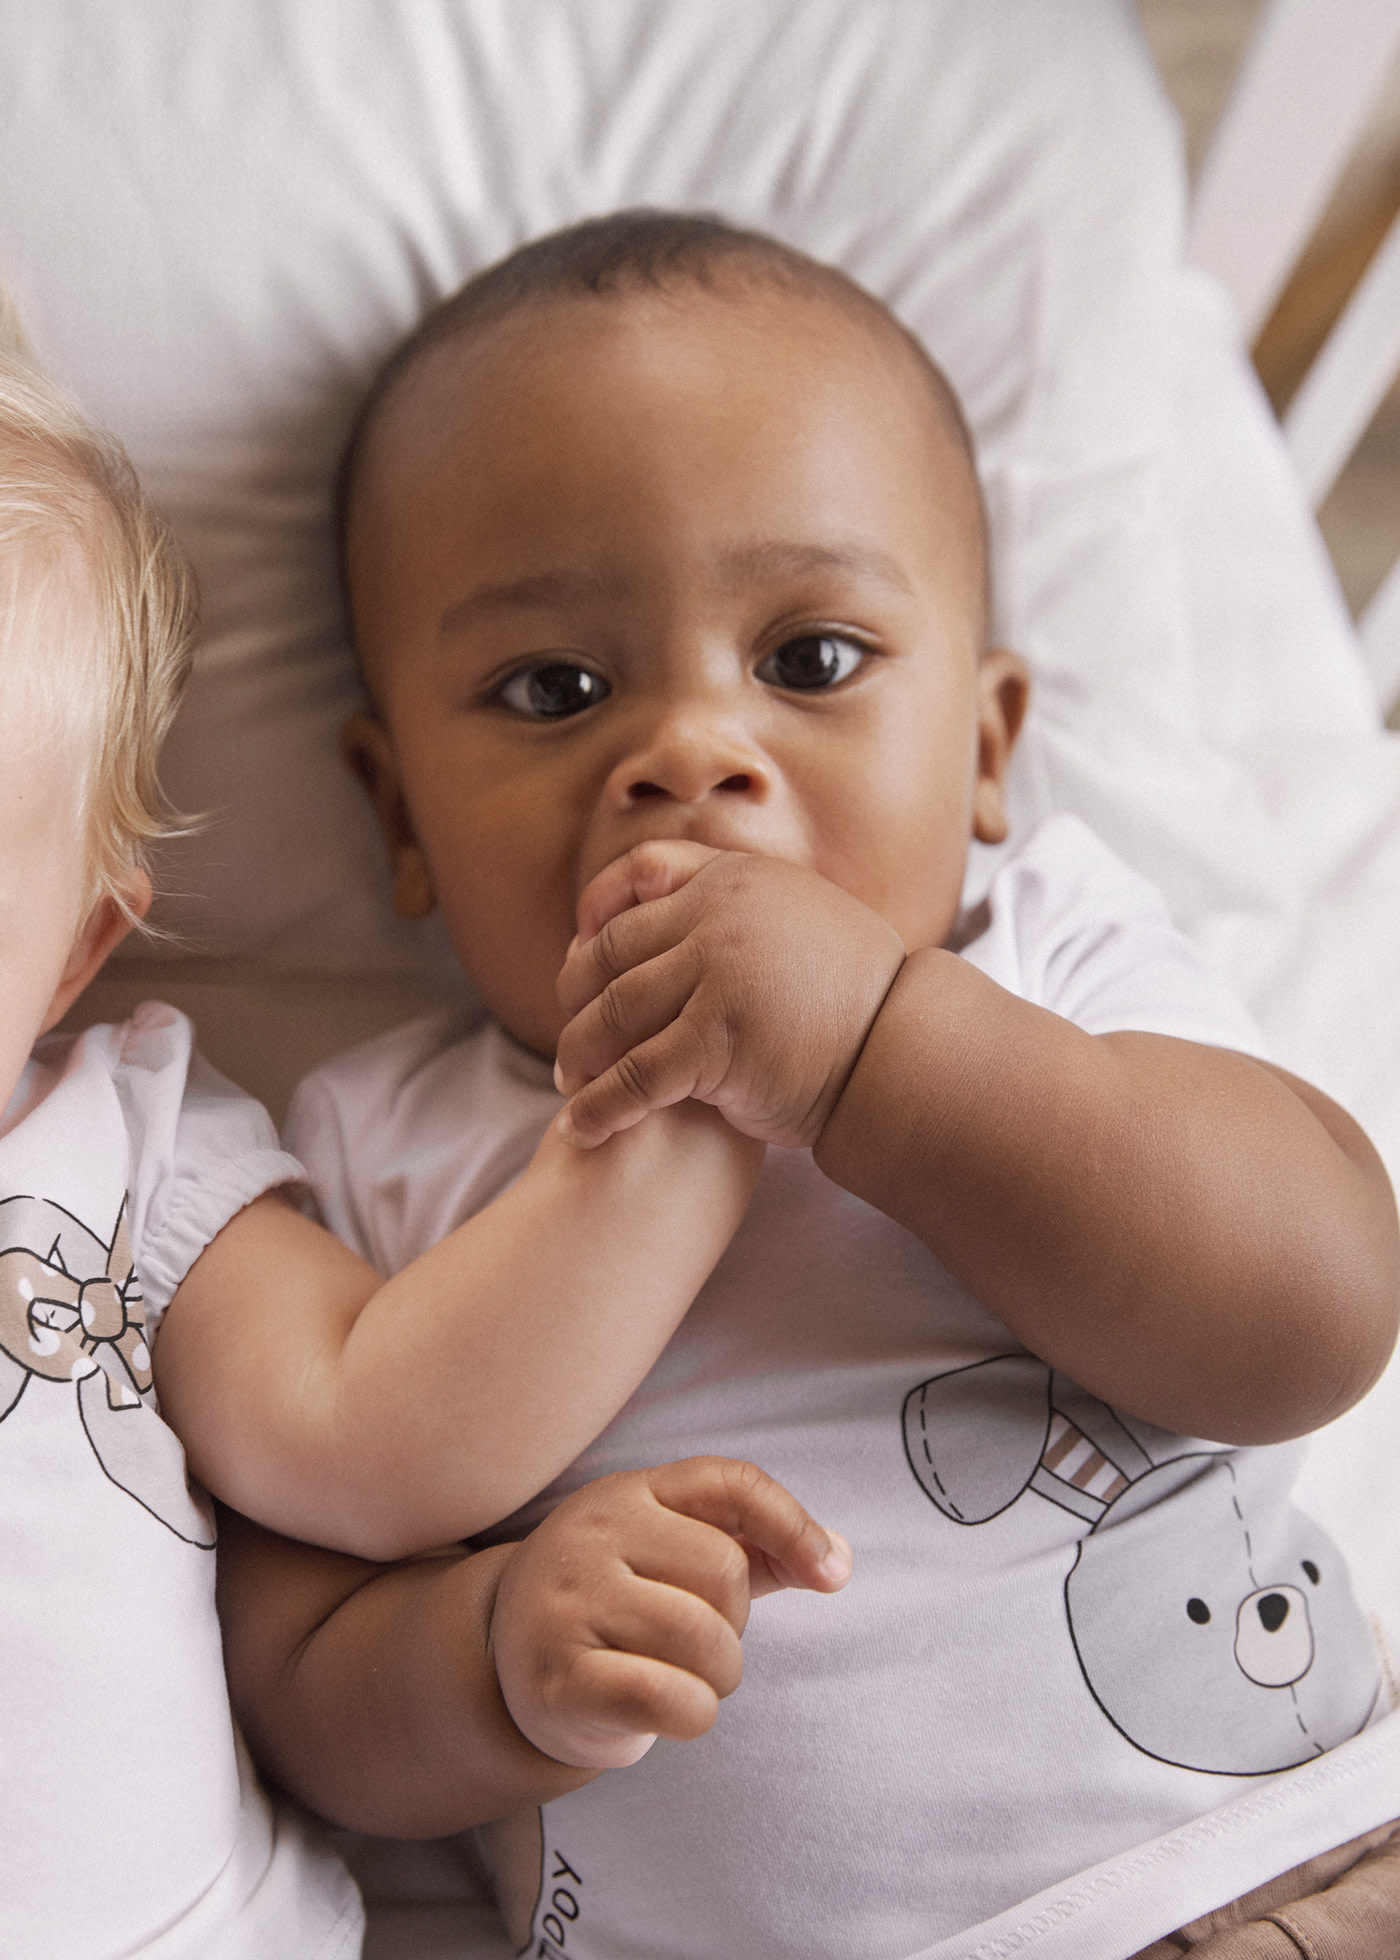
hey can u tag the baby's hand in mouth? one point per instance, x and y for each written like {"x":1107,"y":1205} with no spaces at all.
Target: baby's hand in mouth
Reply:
{"x":745,"y":982}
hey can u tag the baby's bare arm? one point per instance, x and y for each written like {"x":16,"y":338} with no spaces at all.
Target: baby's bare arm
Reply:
{"x":385,"y":1418}
{"x":369,"y":1691}
{"x":1199,"y":1239}
{"x":374,"y":1693}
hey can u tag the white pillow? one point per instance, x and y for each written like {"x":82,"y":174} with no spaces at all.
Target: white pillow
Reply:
{"x":217,"y":220}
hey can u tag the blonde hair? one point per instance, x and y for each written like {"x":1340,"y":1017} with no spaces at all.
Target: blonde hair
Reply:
{"x":69,"y":498}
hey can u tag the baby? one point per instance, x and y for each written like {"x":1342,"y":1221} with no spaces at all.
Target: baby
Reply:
{"x":667,"y":569}
{"x":142,"y":1227}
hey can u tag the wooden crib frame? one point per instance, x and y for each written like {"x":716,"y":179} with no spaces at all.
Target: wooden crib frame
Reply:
{"x":1306,"y":87}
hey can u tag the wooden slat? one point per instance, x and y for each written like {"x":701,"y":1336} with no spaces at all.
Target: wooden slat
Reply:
{"x":1267,"y":176}
{"x":1350,"y":377}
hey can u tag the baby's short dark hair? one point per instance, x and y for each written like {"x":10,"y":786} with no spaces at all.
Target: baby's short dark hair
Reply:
{"x":629,"y":251}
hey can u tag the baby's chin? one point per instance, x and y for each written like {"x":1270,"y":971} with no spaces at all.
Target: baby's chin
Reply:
{"x":537,"y":1039}
{"x":515,"y":982}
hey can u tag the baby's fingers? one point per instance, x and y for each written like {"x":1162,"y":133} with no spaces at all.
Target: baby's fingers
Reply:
{"x":618,"y":1703}
{"x":781,"y":1538}
{"x":648,"y":871}
{"x":621,"y":945}
{"x":631,"y":1009}
{"x":671,"y":1066}
{"x":667,"y":1623}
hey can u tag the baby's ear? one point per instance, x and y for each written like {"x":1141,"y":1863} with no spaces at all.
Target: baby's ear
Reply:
{"x":365,"y":744}
{"x":1003,"y":690}
{"x":103,"y":930}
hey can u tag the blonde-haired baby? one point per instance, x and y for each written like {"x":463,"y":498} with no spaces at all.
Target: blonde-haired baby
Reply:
{"x":146,"y":1243}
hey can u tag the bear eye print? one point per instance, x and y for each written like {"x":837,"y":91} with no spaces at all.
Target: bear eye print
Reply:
{"x":1312,"y":1571}
{"x":813,"y":660}
{"x":1197,"y":1610}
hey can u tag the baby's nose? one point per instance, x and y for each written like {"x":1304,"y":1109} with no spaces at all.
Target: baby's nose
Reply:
{"x":738,"y":784}
{"x":687,"y":758}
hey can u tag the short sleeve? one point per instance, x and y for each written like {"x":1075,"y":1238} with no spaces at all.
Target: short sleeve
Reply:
{"x":1075,"y":929}
{"x":416,"y":1130}
{"x":201,"y":1149}
{"x":315,"y":1131}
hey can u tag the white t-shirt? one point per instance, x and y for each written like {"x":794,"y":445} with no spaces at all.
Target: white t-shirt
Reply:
{"x":1074,"y":1644}
{"x":132,"y":1823}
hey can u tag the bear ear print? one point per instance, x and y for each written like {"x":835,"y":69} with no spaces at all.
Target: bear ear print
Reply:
{"x":974,"y":1437}
{"x":1169,"y":1479}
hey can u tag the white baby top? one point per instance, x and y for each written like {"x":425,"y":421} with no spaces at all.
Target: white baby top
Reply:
{"x":132,"y":1823}
{"x":1074,"y":1644}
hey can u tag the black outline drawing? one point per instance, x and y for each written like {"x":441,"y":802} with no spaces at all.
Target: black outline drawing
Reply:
{"x":72,"y":1315}
{"x":978,"y":1438}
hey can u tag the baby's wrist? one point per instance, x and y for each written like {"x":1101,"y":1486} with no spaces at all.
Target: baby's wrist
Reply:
{"x":706,"y":1130}
{"x":696,"y":1144}
{"x":890,"y":1072}
{"x":840,"y":1101}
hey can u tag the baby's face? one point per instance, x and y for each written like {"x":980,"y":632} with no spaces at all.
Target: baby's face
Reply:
{"x":699,"y":565}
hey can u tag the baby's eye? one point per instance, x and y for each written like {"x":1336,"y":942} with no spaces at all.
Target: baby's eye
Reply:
{"x":553,"y":690}
{"x":815,"y":660}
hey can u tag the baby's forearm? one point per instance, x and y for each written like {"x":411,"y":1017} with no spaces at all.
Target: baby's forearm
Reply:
{"x":370,"y":1692}
{"x":1191,"y":1235}
{"x":382,"y":1419}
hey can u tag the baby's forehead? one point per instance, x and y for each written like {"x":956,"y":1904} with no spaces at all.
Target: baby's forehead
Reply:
{"x":814,"y":320}
{"x":45,"y":581}
{"x":669,"y":362}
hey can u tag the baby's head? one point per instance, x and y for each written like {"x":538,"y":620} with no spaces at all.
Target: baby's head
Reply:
{"x":97,"y":622}
{"x":661,"y":529}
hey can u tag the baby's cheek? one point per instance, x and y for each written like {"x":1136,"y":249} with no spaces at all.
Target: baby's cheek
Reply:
{"x":514,"y":964}
{"x":913,"y":879}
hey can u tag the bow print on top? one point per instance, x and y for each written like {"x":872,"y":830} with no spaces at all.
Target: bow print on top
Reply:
{"x":73,"y":1319}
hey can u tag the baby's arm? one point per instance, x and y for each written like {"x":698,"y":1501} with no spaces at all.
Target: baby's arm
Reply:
{"x":422,"y":1698}
{"x":384,"y":1418}
{"x":1196,"y":1237}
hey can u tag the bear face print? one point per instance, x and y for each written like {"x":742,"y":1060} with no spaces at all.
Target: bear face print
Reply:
{"x":1214,"y":1625}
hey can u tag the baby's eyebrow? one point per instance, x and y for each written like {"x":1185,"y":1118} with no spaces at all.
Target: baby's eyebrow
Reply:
{"x":737,"y":567}
{"x":779,"y":557}
{"x":520,"y":594}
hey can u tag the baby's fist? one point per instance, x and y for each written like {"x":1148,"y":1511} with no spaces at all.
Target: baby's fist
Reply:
{"x":745,"y":982}
{"x":618,"y":1619}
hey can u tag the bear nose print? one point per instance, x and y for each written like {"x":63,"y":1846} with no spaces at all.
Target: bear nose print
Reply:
{"x":1273,"y":1636}
{"x":1273,"y":1611}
